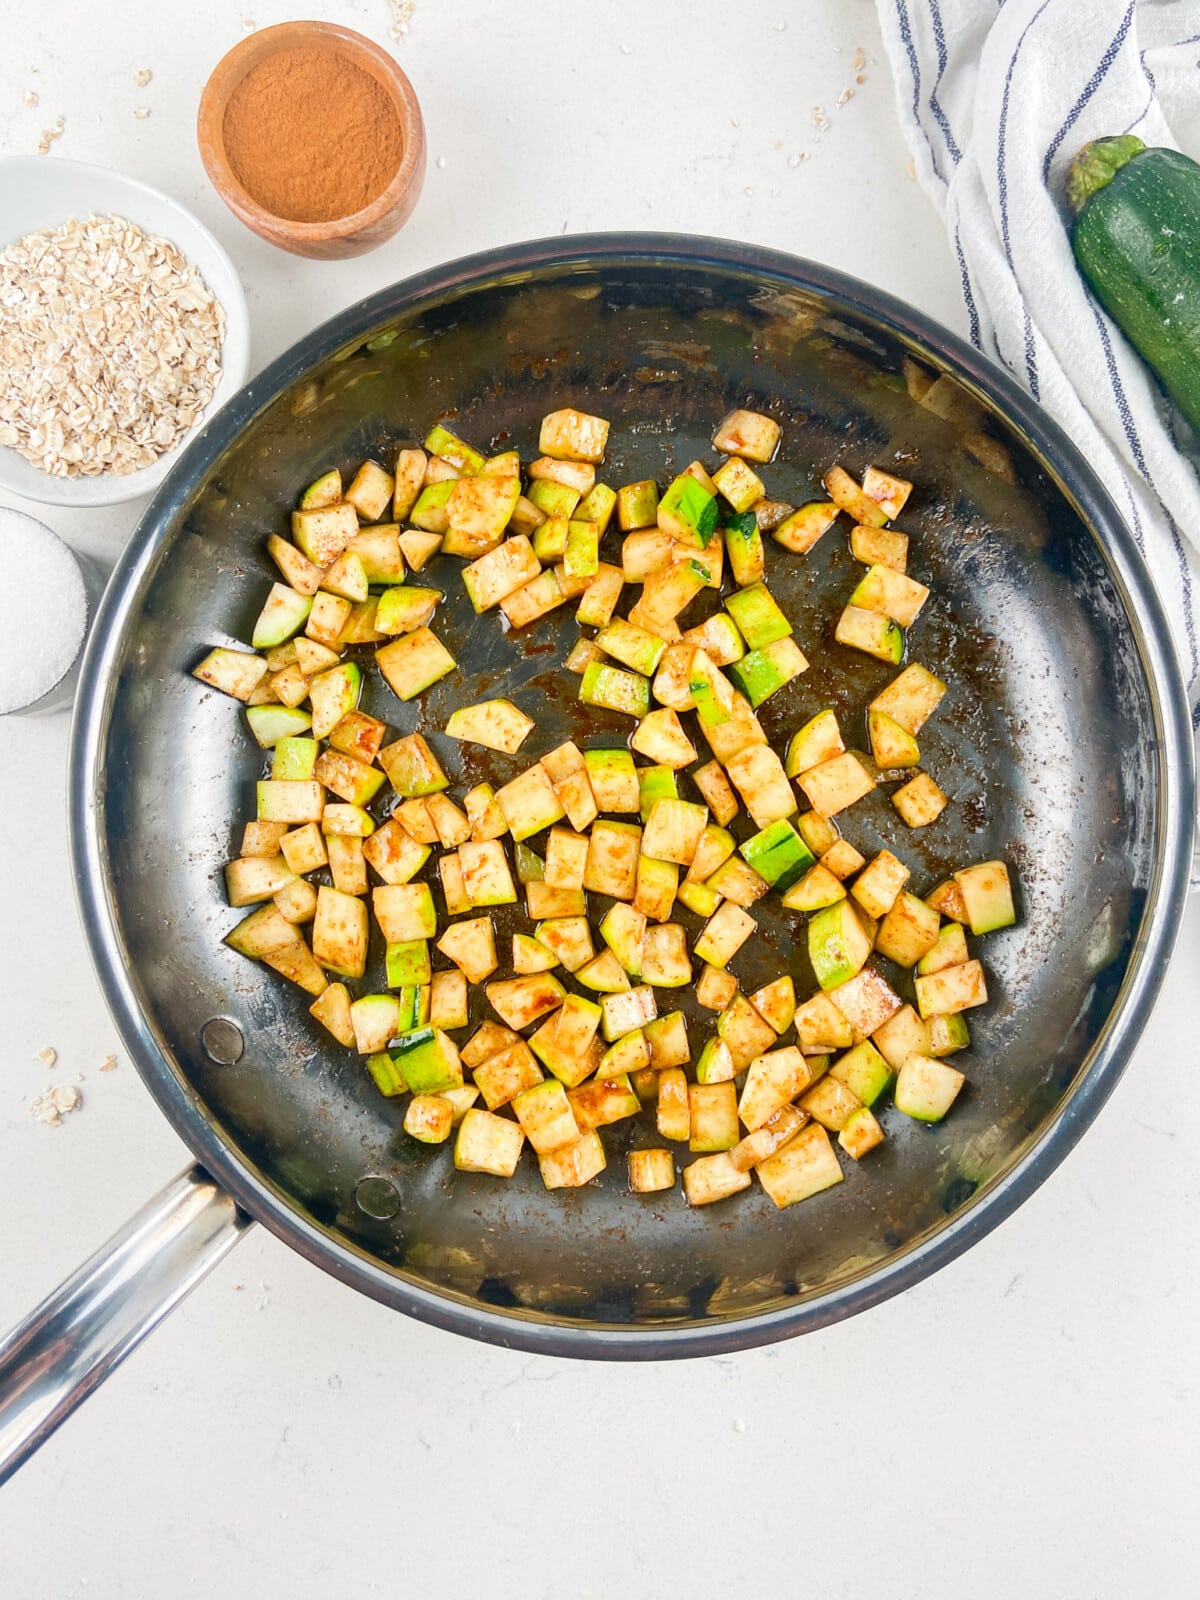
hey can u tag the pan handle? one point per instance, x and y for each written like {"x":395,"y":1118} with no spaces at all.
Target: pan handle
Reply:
{"x":55,"y":1358}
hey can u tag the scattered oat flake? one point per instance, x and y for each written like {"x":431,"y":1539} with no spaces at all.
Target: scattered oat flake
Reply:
{"x":49,"y":135}
{"x":141,"y":113}
{"x":110,"y":347}
{"x":860,"y":58}
{"x":819,"y":120}
{"x":912,"y":167}
{"x":861,"y":78}
{"x":109,"y":1064}
{"x":402,"y":11}
{"x":31,"y":98}
{"x":142,"y":77}
{"x":55,"y":1104}
{"x":441,"y":161}
{"x":846,"y":94}
{"x":796,"y":157}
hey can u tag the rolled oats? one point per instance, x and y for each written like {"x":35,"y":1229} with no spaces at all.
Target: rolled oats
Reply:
{"x":110,"y":347}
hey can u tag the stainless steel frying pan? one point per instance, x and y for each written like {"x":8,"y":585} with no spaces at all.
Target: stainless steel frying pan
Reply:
{"x":1064,"y":745}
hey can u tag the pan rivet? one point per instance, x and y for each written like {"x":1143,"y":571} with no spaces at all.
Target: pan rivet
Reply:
{"x":377,"y":1197}
{"x":222,"y":1041}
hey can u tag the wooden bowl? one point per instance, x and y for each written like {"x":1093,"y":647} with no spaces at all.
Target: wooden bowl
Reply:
{"x":339,"y":236}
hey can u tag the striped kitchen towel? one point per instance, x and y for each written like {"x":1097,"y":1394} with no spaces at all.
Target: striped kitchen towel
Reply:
{"x":995,"y":99}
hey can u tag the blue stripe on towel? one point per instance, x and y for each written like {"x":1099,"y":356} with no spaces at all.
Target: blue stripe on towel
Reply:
{"x":939,"y":39}
{"x":1002,"y":181}
{"x":1094,"y":82}
{"x":968,"y":297}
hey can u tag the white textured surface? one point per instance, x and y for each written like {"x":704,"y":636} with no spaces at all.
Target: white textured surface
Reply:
{"x":1026,"y":1422}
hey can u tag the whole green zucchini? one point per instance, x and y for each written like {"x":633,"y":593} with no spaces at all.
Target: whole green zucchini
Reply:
{"x":1136,"y":237}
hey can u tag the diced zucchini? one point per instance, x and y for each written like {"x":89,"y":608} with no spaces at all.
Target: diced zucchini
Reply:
{"x":738,"y":882}
{"x":668,"y":1041}
{"x":801,"y":531}
{"x":550,"y":540}
{"x":626,"y":1010}
{"x":291,"y":801}
{"x":724,"y":934}
{"x":324,"y":532}
{"x":507,"y":1074}
{"x":947,"y":898}
{"x":543,"y":901}
{"x":599,"y":599}
{"x":688,"y":511}
{"x":948,"y":1034}
{"x":613,"y":778}
{"x":777,"y":1131}
{"x":778,"y":854}
{"x":374,"y":1019}
{"x":890,"y":594}
{"x":453,"y":892}
{"x":864,"y":1071}
{"x":419,"y":548}
{"x":413,"y":662}
{"x":448,"y":1000}
{"x":429,"y":1118}
{"x":581,"y":558}
{"x":665,"y":594}
{"x":711,"y":1177}
{"x":347,"y":577}
{"x":283,"y":614}
{"x":838,"y":944}
{"x":655,"y":888}
{"x":603,"y":1101}
{"x":749,"y":434}
{"x":573,"y":1165}
{"x":802,"y":1168}
{"x":301,"y":574}
{"x":651,"y":1171}
{"x":867,"y":1001}
{"x":758,"y":617}
{"x":339,"y":935}
{"x":760,"y":673}
{"x":919,"y":801}
{"x":665,"y":960}
{"x":860,"y":1133}
{"x":408,"y":478}
{"x":623,"y":929}
{"x":821,"y":1026}
{"x":773,"y":1081}
{"x":332,"y":1010}
{"x":270,"y":724}
{"x":714,"y":786}
{"x":388,"y":1077}
{"x":908,"y":931}
{"x":661,"y":737}
{"x":836,"y":784}
{"x":775,"y":1002}
{"x":744,"y":547}
{"x":533,"y":600}
{"x":487,"y":880}
{"x":264,"y":839}
{"x":954,"y":989}
{"x":911,"y":698}
{"x":530,"y":955}
{"x":891,"y":746}
{"x":612,"y":858}
{"x":698,"y":897}
{"x":568,"y":775}
{"x":378,"y":550}
{"x":234,"y":672}
{"x":745,"y":1032}
{"x":487,"y":1143}
{"x":713,"y":1114}
{"x":673,"y":1115}
{"x":890,"y":493}
{"x":615,"y":690}
{"x":487,"y":1040}
{"x":352,"y":780}
{"x":327,"y":616}
{"x":758,"y":776}
{"x":719,"y":638}
{"x":816,"y":889}
{"x":597,"y":506}
{"x":557,"y":500}
{"x":570,"y":435}
{"x":870,"y":632}
{"x":633,"y":646}
{"x":496,"y":724}
{"x":896,"y":1039}
{"x":413,"y":1000}
{"x":879,"y":883}
{"x":294,"y":760}
{"x":545,"y":1115}
{"x":249,"y":880}
{"x":520,"y":1001}
{"x":630,"y":1053}
{"x":471,"y":946}
{"x":412,"y":768}
{"x":347,"y":864}
{"x":830,"y":1103}
{"x":604,"y":974}
{"x":739,"y":485}
{"x":882,"y":547}
{"x":987,"y":896}
{"x":673,"y":831}
{"x":820,"y":739}
{"x":497,"y":574}
{"x":842,"y":489}
{"x":323,"y":491}
{"x":405,"y":911}
{"x":926,"y":1088}
{"x":818,"y":833}
{"x":479,"y":508}
{"x":842,"y":859}
{"x":716,"y":988}
{"x":637,"y":505}
{"x":529,"y":803}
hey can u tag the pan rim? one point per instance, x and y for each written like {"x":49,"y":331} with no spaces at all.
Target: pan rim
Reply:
{"x":535,"y":1331}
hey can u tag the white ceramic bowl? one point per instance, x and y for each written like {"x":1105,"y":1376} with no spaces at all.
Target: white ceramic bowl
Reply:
{"x":44,"y":191}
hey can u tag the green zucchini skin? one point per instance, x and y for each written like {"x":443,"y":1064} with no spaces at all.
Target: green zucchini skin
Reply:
{"x":1137,"y":242}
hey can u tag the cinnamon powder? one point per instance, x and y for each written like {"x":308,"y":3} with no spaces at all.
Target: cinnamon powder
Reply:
{"x":311,"y":136}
